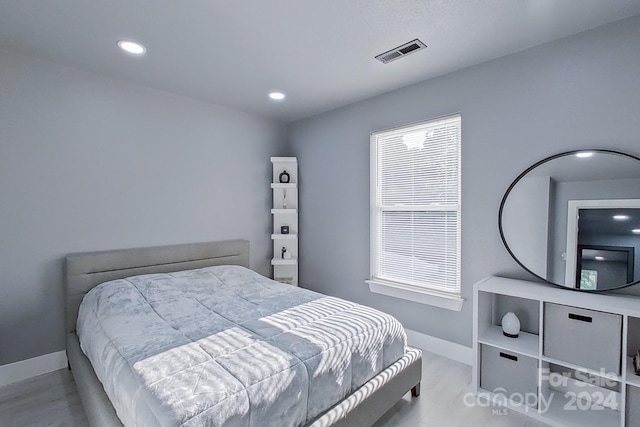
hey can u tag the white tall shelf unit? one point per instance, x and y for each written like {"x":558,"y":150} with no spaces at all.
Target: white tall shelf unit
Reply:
{"x":592,"y":330}
{"x":285,"y":213}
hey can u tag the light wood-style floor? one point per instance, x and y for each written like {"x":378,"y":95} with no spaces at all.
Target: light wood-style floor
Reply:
{"x":441,"y":403}
{"x":53,"y":400}
{"x":48,"y":400}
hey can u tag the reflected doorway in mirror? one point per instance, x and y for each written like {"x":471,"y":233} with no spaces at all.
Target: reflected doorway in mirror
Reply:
{"x":600,"y":239}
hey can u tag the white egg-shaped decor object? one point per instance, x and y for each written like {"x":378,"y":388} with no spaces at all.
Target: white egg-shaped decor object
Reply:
{"x":510,"y":325}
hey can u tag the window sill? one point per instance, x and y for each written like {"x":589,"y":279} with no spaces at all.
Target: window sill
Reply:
{"x":422,"y":296}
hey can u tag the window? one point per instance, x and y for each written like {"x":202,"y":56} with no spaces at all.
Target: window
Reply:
{"x":415,"y":212}
{"x":588,"y":279}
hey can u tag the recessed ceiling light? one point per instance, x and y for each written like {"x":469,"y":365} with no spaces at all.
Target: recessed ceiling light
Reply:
{"x":636,"y":231}
{"x":599,"y":258}
{"x":584,"y":154}
{"x":131,"y":47}
{"x":621,"y":217}
{"x":278,"y":96}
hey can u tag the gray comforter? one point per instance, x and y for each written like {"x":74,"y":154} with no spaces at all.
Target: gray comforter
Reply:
{"x":225,"y":346}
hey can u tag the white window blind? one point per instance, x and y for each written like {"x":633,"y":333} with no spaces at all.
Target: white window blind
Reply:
{"x":415,"y":205}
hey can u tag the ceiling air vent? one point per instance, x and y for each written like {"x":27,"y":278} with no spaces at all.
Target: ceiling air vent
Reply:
{"x":400,"y":51}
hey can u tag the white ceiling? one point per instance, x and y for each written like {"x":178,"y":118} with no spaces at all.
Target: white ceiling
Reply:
{"x":320,"y":53}
{"x":601,"y":166}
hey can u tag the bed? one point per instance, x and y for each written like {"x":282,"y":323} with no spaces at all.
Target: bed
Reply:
{"x":282,"y":313}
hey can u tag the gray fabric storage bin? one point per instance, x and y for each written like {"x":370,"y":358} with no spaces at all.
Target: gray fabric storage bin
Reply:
{"x":633,"y":407}
{"x":587,"y":338}
{"x":513,"y":372}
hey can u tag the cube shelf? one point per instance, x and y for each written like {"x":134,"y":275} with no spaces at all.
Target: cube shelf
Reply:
{"x":572,"y":358}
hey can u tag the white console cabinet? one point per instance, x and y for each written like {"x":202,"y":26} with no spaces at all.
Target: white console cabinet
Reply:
{"x":571,"y":364}
{"x":285,"y":220}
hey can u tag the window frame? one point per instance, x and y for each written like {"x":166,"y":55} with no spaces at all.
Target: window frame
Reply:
{"x":427,"y":293}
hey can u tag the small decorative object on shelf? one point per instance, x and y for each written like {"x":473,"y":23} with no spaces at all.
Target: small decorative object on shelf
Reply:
{"x":285,"y":254}
{"x":636,"y":362}
{"x":284,"y":229}
{"x":510,"y":325}
{"x":284,"y":199}
{"x":284,"y":177}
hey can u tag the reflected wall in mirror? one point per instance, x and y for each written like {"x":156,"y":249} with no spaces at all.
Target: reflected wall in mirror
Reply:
{"x":573,"y":219}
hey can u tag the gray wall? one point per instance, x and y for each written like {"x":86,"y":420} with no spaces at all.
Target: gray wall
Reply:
{"x":525,"y":222}
{"x":582,"y":91}
{"x":89,"y":163}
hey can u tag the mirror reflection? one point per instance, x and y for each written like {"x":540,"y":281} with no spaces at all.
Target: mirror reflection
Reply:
{"x":574,"y":219}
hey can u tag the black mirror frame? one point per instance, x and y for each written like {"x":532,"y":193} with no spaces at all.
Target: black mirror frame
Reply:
{"x":522,"y":175}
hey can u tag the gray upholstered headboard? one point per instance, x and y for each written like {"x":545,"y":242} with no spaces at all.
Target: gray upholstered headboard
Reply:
{"x":83,"y":271}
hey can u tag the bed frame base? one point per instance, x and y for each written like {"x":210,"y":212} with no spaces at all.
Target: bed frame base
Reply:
{"x":96,"y":404}
{"x":366,"y":405}
{"x":415,"y":391}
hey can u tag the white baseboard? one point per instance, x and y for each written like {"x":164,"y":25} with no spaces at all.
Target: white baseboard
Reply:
{"x":25,"y":369}
{"x":451,"y":350}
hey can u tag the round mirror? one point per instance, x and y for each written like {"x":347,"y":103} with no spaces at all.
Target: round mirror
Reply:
{"x":573,"y":220}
